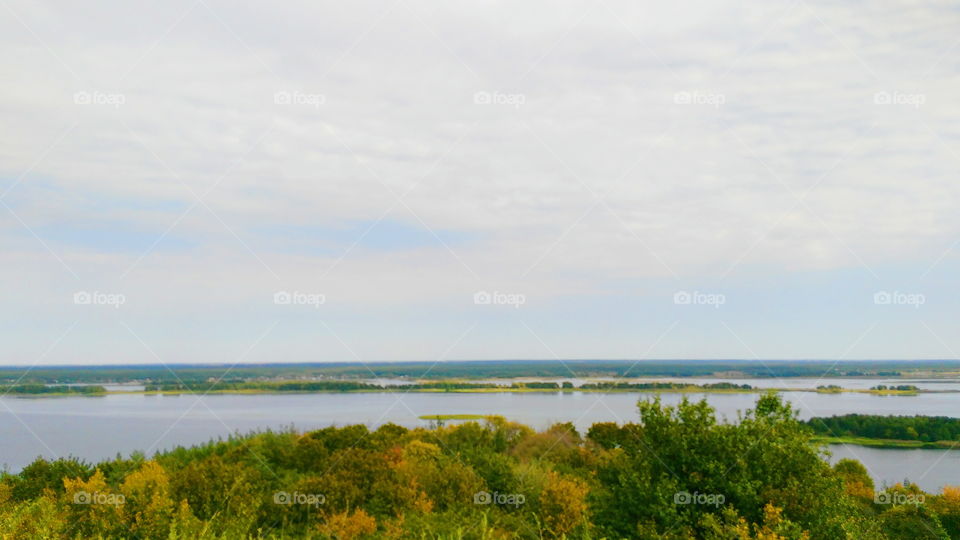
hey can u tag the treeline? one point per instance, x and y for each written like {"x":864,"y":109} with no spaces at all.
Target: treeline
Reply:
{"x":51,"y":389}
{"x":663,"y":386}
{"x":354,"y":386}
{"x":169,"y":374}
{"x":904,"y":428}
{"x":675,"y":474}
{"x":306,"y":386}
{"x":897,"y":388}
{"x":542,"y":385}
{"x":286,"y":386}
{"x":442,"y":385}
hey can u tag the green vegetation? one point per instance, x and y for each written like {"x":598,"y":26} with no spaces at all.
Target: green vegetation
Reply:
{"x":240,"y":386}
{"x":664,"y":386}
{"x":282,"y":386}
{"x":907,"y":389}
{"x":51,"y":390}
{"x":162,"y":374}
{"x":442,"y":417}
{"x":317,"y":386}
{"x":677,"y":473}
{"x":537,"y":385}
{"x":926,"y":429}
{"x":885,"y":443}
{"x":446,"y":386}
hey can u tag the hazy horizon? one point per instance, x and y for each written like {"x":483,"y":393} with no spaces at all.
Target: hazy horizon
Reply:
{"x":830,"y":362}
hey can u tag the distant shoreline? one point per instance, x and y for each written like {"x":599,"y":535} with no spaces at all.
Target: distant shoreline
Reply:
{"x":887,"y":443}
{"x":731,"y":370}
{"x":688,"y":389}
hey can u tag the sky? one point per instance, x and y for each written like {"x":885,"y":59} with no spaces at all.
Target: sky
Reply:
{"x":212,"y":181}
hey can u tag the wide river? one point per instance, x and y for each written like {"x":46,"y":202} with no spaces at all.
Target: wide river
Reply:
{"x":97,"y":428}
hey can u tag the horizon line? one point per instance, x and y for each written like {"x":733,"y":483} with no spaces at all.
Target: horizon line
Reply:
{"x":467,"y":361}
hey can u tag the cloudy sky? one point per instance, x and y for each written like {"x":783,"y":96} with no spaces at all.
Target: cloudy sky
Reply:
{"x":208,"y":181}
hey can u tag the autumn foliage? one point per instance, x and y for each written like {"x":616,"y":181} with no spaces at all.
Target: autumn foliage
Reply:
{"x":677,"y":473}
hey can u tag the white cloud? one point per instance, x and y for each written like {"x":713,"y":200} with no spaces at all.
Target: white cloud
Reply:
{"x":690,"y":191}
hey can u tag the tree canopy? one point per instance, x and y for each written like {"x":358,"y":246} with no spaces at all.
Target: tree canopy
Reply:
{"x":677,"y":472}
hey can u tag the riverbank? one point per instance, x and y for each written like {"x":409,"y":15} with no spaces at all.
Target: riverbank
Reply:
{"x":689,"y":389}
{"x":96,"y":429}
{"x":887,"y":443}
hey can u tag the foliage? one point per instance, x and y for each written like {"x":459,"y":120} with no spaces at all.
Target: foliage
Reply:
{"x":165,"y":374}
{"x":664,"y":386}
{"x":895,"y":388}
{"x":52,"y":389}
{"x":676,"y":473}
{"x":905,"y":428}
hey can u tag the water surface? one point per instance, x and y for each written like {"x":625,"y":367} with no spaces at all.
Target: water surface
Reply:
{"x":97,"y":428}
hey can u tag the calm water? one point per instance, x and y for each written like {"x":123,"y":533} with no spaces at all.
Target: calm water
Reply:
{"x":96,"y":428}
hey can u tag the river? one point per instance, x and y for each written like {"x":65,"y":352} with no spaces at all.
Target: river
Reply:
{"x":97,"y":428}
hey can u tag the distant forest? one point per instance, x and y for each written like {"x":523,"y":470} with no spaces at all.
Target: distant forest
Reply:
{"x":169,"y":374}
{"x":904,"y":428}
{"x":352,"y":386}
{"x":50,"y":389}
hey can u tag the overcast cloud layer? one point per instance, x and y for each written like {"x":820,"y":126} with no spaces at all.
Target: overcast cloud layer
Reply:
{"x":626,"y":180}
